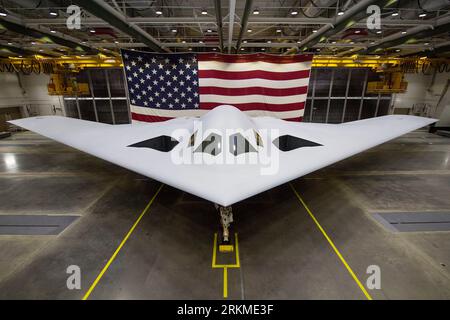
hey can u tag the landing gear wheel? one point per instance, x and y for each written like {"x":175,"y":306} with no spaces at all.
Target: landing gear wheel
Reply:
{"x":226,"y":218}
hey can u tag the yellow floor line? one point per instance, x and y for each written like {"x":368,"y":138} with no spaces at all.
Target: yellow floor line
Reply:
{"x":347,"y":266}
{"x":225,"y":267}
{"x":225,"y":282}
{"x":105,"y":268}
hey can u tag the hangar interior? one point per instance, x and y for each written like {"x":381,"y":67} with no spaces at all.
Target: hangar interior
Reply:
{"x":314,"y":238}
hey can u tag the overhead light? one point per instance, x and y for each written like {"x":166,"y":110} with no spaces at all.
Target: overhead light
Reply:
{"x":256,"y":11}
{"x":314,"y":31}
{"x":20,"y":56}
{"x":422,"y":15}
{"x":294,"y":12}
{"x":395,"y":14}
{"x":334,"y":42}
{"x":398,"y":50}
{"x":242,"y":49}
{"x":33,"y":43}
{"x":190,"y":49}
{"x":40,"y":50}
{"x":53,"y":13}
{"x":263,"y":49}
{"x":340,"y":13}
{"x":268,"y":41}
{"x":52,"y":31}
{"x":404,"y":32}
{"x":83,"y":42}
{"x":278,"y":30}
{"x":214,"y":49}
{"x":249,"y":30}
{"x":357,"y":31}
{"x":92,"y":31}
{"x":373,"y":42}
{"x":299,"y":41}
{"x":116,"y":41}
{"x":426,"y":43}
{"x":352,"y":42}
{"x":174,"y":30}
{"x":158,"y":12}
{"x":379,"y":31}
{"x":209,"y":30}
{"x":10,"y":43}
{"x":204,"y":12}
{"x":245,"y":41}
{"x":200,"y":41}
{"x":183,"y":41}
{"x":3,"y":12}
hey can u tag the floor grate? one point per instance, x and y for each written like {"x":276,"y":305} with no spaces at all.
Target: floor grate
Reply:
{"x":414,"y":221}
{"x":34,"y":224}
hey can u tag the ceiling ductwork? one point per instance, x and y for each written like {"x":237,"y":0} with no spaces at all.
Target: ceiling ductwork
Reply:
{"x":348,"y":19}
{"x":315,"y":8}
{"x":42,"y":36}
{"x":8,"y":50}
{"x":244,"y":22}
{"x":107,"y":13}
{"x":413,"y":34}
{"x":218,"y":8}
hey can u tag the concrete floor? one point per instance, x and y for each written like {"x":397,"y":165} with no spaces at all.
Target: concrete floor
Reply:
{"x":283,"y":255}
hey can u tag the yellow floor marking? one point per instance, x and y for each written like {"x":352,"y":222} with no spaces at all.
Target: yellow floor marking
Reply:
{"x":225,"y":282}
{"x":105,"y":268}
{"x":225,"y":267}
{"x":347,"y":266}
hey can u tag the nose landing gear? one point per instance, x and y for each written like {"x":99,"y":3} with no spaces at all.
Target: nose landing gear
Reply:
{"x":226,"y":218}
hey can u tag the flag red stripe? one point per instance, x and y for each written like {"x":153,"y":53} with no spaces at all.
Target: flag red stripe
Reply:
{"x":147,"y":118}
{"x":253,"y":90}
{"x":294,"y":119}
{"x":229,"y":58}
{"x":259,"y":74}
{"x":257,"y":106}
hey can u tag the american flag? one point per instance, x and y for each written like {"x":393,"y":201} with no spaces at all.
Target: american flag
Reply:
{"x":165,"y":86}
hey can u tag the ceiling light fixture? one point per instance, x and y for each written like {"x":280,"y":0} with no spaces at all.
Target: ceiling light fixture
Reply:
{"x":174,"y":30}
{"x":422,"y":15}
{"x":53,"y":13}
{"x":314,"y":31}
{"x":158,"y":12}
{"x":395,"y":14}
{"x":92,"y":31}
{"x":294,"y":12}
{"x":404,"y":32}
{"x":279,"y":30}
{"x":256,"y":11}
{"x":209,"y":30}
{"x":357,"y":31}
{"x":379,"y":31}
{"x":204,"y":12}
{"x":52,"y":31}
{"x":3,"y":12}
{"x":340,"y":13}
{"x":249,"y":30}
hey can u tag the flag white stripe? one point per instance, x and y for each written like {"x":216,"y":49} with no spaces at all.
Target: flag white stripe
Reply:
{"x":252,"y":98}
{"x":251,"y":66}
{"x":273,"y":84}
{"x":200,"y":112}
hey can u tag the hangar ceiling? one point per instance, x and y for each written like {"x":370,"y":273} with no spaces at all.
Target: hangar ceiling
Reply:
{"x":325,"y":27}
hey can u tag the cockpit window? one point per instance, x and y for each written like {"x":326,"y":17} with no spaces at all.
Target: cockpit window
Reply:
{"x":239,"y":145}
{"x":259,"y":141}
{"x":211,"y":145}
{"x":192,"y":139}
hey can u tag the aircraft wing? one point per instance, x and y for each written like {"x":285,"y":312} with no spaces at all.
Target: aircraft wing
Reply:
{"x":302,"y":148}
